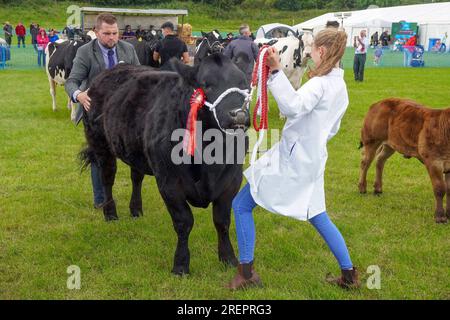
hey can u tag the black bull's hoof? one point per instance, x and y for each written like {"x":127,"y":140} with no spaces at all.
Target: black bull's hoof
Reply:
{"x":111,"y":217}
{"x":180,"y":270}
{"x":136,"y":213}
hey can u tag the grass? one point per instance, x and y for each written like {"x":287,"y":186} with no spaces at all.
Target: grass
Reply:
{"x":47,"y":222}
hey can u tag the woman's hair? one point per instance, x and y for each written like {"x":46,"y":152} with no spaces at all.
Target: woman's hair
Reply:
{"x":335,"y":42}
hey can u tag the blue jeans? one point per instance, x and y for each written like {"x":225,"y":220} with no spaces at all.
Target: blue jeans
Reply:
{"x":407,"y":57}
{"x":243,"y":204}
{"x":19,"y":40}
{"x":97,"y":185}
{"x":41,"y":56}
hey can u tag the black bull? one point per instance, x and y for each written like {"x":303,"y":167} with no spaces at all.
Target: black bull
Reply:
{"x":134,"y":111}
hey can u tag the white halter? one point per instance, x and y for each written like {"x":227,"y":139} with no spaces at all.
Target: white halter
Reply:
{"x":212,"y":106}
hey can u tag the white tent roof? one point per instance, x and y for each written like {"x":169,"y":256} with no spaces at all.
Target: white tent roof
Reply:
{"x":420,"y":13}
{"x":372,"y":23}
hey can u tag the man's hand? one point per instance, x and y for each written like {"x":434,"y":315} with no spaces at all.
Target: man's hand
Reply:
{"x":273,"y":59}
{"x":84,"y":99}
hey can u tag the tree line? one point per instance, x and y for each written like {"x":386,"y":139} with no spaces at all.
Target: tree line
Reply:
{"x":287,"y":5}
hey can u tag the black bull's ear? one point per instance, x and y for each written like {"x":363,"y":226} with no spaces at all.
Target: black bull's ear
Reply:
{"x":241,"y":60}
{"x":188,"y":73}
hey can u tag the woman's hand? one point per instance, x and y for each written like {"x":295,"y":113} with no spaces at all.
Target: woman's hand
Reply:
{"x":273,"y":59}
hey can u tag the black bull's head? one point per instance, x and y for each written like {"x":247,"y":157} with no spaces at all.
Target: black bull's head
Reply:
{"x":225,"y":87}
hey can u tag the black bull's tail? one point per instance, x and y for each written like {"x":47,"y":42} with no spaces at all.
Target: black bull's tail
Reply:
{"x":360,"y":145}
{"x":86,"y":157}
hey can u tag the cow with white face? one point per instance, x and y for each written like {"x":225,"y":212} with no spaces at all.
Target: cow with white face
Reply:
{"x":294,"y":52}
{"x":59,"y":63}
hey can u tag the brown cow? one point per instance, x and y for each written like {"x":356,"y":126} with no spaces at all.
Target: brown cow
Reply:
{"x":415,"y":131}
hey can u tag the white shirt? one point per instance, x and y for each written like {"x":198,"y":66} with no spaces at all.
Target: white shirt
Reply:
{"x":289,"y":178}
{"x":360,"y":49}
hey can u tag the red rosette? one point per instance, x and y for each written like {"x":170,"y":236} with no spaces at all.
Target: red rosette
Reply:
{"x":197,"y":101}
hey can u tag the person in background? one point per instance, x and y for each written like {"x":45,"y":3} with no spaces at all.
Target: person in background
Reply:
{"x":42,"y":41}
{"x":332,"y":24}
{"x":140,"y":32}
{"x":408,"y":49}
{"x":385,"y":39}
{"x":335,"y":25}
{"x":360,"y":43}
{"x":243,"y":44}
{"x":170,"y":47}
{"x":21,"y":33}
{"x":128,"y":33}
{"x":8,"y":29}
{"x":53,"y":36}
{"x":229,"y":38}
{"x":378,"y":53}
{"x":34,"y":31}
{"x":374,"y":40}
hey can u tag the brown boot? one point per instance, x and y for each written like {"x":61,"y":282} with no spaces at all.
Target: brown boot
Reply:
{"x":245,"y":278}
{"x":349,"y":279}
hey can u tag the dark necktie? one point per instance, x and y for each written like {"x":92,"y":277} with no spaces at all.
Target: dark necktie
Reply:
{"x":110,"y":58}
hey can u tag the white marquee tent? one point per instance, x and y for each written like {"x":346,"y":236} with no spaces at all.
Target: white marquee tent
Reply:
{"x":433,"y":20}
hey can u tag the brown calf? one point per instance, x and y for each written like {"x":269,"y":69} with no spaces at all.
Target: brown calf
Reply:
{"x":415,"y":131}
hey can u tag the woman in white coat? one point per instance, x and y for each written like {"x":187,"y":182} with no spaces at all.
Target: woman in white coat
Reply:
{"x":289,"y":178}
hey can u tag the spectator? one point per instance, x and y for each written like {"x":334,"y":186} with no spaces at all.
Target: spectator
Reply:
{"x":408,"y":49}
{"x":34,"y":31}
{"x":361,"y":43}
{"x":7,"y":28}
{"x":53,"y":36}
{"x":335,"y":25}
{"x":385,"y":39}
{"x":377,"y":55}
{"x":140,"y":32}
{"x":243,"y":45}
{"x":170,"y":46}
{"x":374,"y":39}
{"x":20,"y":32}
{"x":42,"y":41}
{"x":128,"y":33}
{"x":332,"y":24}
{"x":229,"y":38}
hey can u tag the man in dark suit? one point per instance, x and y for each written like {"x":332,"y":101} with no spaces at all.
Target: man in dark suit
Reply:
{"x":91,"y":59}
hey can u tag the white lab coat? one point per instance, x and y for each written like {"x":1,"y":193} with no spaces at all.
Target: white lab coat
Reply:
{"x":289,"y":178}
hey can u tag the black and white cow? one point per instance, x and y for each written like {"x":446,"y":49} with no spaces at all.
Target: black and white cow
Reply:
{"x":145,"y":46}
{"x":210,"y":43}
{"x":293,"y":52}
{"x":59,"y":63}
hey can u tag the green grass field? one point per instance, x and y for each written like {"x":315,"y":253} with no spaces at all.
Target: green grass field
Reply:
{"x":47,"y":222}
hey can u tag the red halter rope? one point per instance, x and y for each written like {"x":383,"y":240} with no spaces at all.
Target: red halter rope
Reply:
{"x":259,"y":78}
